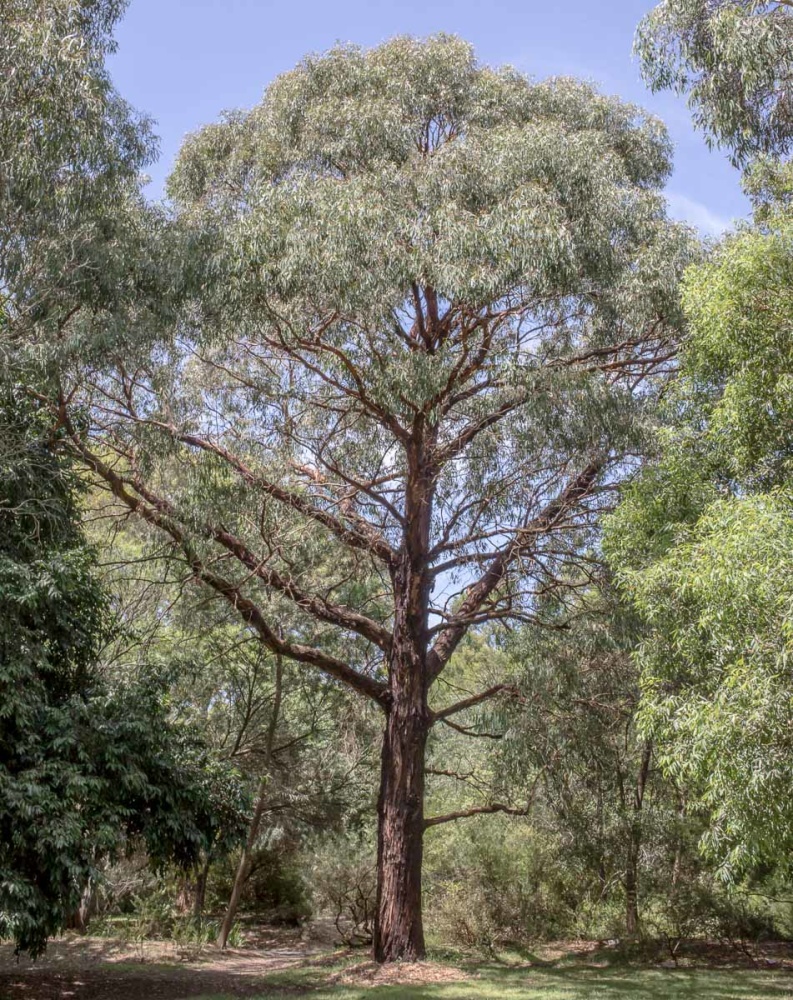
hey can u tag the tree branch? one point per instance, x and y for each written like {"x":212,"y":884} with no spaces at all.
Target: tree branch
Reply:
{"x":362,"y":536}
{"x":474,"y":700}
{"x":467,"y":731}
{"x":246,"y":608}
{"x":524,"y":539}
{"x":495,"y":807}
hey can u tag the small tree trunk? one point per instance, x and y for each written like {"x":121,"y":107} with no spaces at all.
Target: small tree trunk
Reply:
{"x":185,"y":895}
{"x":632,"y":889}
{"x":634,"y":847}
{"x":244,"y":866}
{"x":201,"y":889}
{"x":677,"y":865}
{"x":80,"y":918}
{"x":399,"y":932}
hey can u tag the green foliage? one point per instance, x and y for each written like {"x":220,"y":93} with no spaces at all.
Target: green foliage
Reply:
{"x":716,"y":672}
{"x":740,"y":306}
{"x":156,"y":916}
{"x":412,"y":163}
{"x":496,"y":881}
{"x":702,"y":538}
{"x":362,"y":178}
{"x":83,"y":767}
{"x":344,"y":884}
{"x":732,"y":59}
{"x":71,"y":228}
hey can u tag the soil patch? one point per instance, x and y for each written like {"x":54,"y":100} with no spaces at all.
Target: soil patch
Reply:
{"x":77,"y":968}
{"x":399,"y":974}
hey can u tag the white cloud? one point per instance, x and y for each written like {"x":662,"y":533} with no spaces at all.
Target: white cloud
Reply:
{"x":694,"y":212}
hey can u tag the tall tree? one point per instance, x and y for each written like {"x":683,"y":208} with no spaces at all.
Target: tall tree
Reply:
{"x":430,"y":302}
{"x":702,"y":539}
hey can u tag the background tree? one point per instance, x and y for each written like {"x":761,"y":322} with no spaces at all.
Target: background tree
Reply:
{"x":85,"y":769}
{"x":304,"y":753}
{"x":577,"y":732}
{"x":73,"y":153}
{"x":732,"y":59}
{"x":702,"y":538}
{"x":430,"y":303}
{"x":593,"y":840}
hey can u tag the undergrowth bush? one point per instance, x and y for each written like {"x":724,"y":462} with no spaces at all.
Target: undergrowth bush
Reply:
{"x":503,"y":883}
{"x":344,"y":879}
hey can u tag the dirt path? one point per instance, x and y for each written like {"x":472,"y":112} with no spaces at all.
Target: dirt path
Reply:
{"x":100,"y":969}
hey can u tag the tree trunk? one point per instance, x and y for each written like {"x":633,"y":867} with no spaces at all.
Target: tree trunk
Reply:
{"x":80,"y":918}
{"x":632,"y":888}
{"x":399,"y":931}
{"x":253,"y":830}
{"x":244,"y":866}
{"x":201,"y":889}
{"x":185,"y":895}
{"x":634,"y":846}
{"x":677,"y":865}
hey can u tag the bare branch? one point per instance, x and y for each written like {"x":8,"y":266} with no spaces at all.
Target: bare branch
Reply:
{"x":525,"y":538}
{"x":362,"y":535}
{"x":469,"y":731}
{"x":246,"y":608}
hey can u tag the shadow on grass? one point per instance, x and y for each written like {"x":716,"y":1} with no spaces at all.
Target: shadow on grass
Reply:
{"x":576,"y":975}
{"x":492,"y":981}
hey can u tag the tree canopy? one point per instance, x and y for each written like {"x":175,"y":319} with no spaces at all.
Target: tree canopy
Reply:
{"x":702,"y":537}
{"x":731,"y":58}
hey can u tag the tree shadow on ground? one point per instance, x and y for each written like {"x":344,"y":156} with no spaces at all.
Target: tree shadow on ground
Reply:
{"x":98,"y":972}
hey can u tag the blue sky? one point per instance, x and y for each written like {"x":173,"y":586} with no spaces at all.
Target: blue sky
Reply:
{"x":184,"y":62}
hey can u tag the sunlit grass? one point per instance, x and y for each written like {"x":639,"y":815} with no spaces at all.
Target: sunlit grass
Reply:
{"x":562,"y":982}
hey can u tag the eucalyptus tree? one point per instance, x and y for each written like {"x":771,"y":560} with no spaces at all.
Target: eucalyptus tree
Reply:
{"x":702,"y":542}
{"x":72,"y":152}
{"x":430,"y":302}
{"x":702,"y":539}
{"x":732,"y":59}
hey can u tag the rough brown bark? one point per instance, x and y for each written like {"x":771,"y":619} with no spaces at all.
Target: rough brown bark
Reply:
{"x":399,"y":931}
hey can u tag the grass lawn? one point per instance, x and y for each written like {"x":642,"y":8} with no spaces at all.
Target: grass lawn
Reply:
{"x":102,"y":969}
{"x":559,"y":982}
